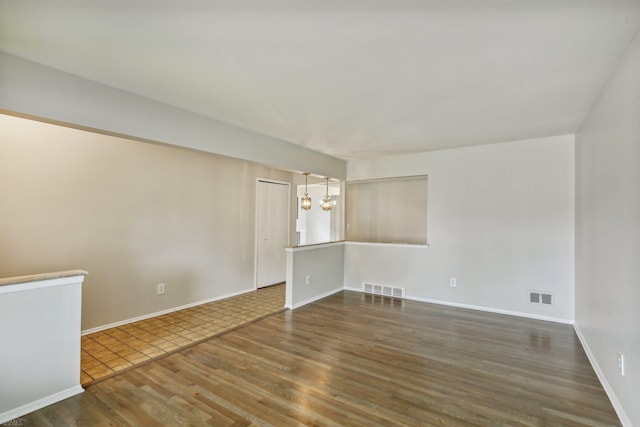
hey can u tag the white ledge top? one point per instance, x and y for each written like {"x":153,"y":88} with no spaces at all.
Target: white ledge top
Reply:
{"x":354,"y":243}
{"x":314,"y":246}
{"x":39,"y":277}
{"x":387,"y":245}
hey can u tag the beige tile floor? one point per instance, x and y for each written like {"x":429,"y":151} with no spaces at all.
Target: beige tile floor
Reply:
{"x":113,"y":350}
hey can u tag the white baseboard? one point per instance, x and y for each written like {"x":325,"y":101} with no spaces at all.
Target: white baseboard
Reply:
{"x":494,"y":310}
{"x":159,"y":313}
{"x":317,"y":297}
{"x":603,"y":379}
{"x":480,"y":308}
{"x":27,"y":408}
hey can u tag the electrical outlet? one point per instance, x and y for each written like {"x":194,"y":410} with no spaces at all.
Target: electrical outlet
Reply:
{"x":621,"y":364}
{"x":160,"y":288}
{"x":453,"y":282}
{"x":307,"y":279}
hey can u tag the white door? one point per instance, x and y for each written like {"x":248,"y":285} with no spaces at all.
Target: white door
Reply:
{"x":272,"y":232}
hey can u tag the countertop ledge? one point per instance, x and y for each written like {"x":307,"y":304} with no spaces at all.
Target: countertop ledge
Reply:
{"x":43,"y":276}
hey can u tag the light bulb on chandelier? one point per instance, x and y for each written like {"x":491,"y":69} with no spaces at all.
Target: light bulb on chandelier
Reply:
{"x":305,"y":201}
{"x":327,"y":203}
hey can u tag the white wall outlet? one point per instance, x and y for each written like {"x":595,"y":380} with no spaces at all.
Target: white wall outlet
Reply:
{"x":621,"y":364}
{"x":160,"y":288}
{"x":307,"y":279}
{"x":453,"y":282}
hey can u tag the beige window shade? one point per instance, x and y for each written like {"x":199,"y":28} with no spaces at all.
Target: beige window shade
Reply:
{"x":392,"y":210}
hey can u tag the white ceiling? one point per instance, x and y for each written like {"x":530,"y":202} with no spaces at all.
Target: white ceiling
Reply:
{"x":349,"y":78}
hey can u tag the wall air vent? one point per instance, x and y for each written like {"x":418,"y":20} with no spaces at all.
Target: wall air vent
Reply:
{"x":540,"y":297}
{"x":546,"y":299}
{"x":388,"y":291}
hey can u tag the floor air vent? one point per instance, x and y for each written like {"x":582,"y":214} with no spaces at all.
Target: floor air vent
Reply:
{"x":389,"y":291}
{"x":538,"y":297}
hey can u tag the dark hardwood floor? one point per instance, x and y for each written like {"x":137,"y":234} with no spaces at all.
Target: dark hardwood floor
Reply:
{"x":355,"y":359}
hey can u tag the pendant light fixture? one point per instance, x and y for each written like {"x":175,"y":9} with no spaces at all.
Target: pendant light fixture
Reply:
{"x":327,"y":203}
{"x":305,"y":201}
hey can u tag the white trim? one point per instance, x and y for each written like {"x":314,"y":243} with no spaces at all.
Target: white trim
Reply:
{"x":255,"y":223}
{"x":494,"y":310}
{"x":39,"y":284}
{"x":480,"y":308}
{"x":316,"y":298}
{"x":159,"y":313}
{"x":352,"y":243}
{"x":387,"y":245}
{"x":314,"y":246}
{"x":288,"y":296}
{"x":603,"y":379}
{"x":39,"y":404}
{"x":41,"y":276}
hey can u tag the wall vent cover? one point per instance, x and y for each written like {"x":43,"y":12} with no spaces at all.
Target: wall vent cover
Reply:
{"x":541,"y":297}
{"x":389,"y":291}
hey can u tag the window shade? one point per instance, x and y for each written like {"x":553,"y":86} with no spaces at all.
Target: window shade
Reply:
{"x":392,"y":210}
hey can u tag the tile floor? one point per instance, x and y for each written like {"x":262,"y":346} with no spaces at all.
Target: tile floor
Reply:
{"x":112,"y":350}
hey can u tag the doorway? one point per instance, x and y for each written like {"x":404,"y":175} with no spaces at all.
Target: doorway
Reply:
{"x":272,"y":231}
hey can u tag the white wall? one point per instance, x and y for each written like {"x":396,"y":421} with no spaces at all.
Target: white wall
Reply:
{"x":133,"y":214}
{"x":323,"y":263}
{"x":315,"y":224}
{"x":500,"y":220}
{"x":35,"y":90}
{"x":40,"y":336}
{"x":137,"y":204}
{"x":318,"y":224}
{"x":608,"y":234}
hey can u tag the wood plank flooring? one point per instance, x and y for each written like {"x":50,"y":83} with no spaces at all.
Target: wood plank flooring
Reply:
{"x":361,"y":360}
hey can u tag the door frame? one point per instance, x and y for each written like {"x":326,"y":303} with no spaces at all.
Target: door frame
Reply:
{"x":255,"y":229}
